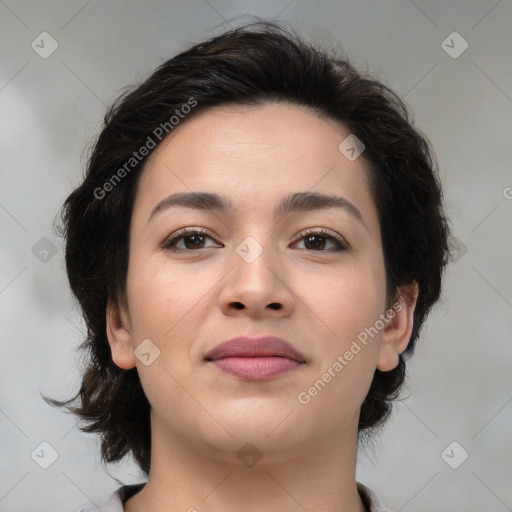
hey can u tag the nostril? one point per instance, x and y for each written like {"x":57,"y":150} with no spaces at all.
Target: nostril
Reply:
{"x":238,"y":305}
{"x":275,"y":305}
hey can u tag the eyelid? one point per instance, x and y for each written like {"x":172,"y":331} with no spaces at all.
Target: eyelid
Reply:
{"x":327,"y":233}
{"x":183,"y":232}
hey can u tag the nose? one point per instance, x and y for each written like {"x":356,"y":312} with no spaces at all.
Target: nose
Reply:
{"x":258,"y":288}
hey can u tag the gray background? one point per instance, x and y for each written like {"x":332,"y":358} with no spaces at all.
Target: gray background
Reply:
{"x":460,"y":378}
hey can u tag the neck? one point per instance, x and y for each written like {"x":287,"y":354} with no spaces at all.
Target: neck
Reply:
{"x":187,"y":477}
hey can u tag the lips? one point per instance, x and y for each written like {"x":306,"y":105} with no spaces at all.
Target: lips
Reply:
{"x":247,"y":346}
{"x":255,"y":357}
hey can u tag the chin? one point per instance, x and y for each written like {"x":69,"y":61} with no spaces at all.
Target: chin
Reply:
{"x":263,"y":421}
{"x":250,"y":445}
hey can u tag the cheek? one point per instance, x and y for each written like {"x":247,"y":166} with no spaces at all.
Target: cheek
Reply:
{"x":345,"y":303}
{"x":346,"y":299}
{"x":166,"y":299}
{"x":165,"y":306}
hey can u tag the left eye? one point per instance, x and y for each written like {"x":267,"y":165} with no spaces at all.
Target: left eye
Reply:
{"x":319,"y":240}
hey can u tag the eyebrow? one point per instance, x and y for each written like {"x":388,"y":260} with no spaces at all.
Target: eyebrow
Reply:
{"x":298,"y":201}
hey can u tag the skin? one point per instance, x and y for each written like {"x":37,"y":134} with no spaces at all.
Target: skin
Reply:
{"x":186,"y":303}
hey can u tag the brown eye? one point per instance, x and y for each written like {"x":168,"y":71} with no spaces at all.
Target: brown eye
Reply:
{"x":315,"y":242}
{"x":193,"y":241}
{"x":322,"y":241}
{"x":188,"y":240}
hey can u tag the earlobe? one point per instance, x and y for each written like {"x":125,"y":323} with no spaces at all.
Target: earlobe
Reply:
{"x":397,"y":332}
{"x":120,"y":336}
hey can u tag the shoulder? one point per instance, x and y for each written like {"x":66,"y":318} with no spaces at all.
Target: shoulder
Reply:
{"x":113,"y":502}
{"x":370,"y":499}
{"x":110,"y":503}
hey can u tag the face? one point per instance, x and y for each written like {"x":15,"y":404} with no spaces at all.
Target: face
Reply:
{"x":311,"y":274}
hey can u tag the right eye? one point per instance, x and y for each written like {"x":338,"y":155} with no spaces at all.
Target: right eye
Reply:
{"x":188,"y":239}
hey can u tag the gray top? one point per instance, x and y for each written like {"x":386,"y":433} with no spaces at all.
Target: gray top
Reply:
{"x":114,"y":502}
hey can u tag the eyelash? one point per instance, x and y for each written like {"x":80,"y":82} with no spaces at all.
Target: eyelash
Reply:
{"x":341,"y":245}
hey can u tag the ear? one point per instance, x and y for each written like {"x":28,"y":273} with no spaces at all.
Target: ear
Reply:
{"x":119,"y":334}
{"x":397,"y":333}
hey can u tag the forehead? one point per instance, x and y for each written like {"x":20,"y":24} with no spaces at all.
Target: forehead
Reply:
{"x":254,"y":154}
{"x":279,"y":132}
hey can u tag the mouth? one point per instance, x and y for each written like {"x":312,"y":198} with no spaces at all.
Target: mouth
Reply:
{"x":255,"y":358}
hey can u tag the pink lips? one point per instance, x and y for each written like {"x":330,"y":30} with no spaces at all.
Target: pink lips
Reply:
{"x":255,"y":358}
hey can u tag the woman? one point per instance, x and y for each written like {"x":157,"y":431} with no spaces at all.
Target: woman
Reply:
{"x":257,"y":242}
